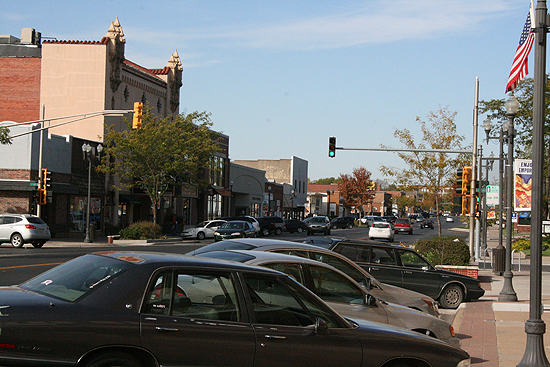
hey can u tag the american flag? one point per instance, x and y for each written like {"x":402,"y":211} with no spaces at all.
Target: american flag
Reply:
{"x":519,"y":66}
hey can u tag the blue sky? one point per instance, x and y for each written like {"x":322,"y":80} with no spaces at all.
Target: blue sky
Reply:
{"x":280,"y":77}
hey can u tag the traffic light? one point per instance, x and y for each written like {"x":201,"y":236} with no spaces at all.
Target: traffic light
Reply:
{"x":465,"y":204}
{"x":466,"y":179}
{"x":44,"y":186}
{"x":332,"y":147}
{"x":138,"y":114}
{"x":458,"y":188}
{"x":47,"y":186}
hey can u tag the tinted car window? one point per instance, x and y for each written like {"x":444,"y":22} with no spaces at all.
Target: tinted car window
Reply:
{"x":353,"y":252}
{"x":333,"y":287}
{"x":9,"y":220}
{"x":341,"y":265}
{"x":402,"y":221}
{"x":412,"y":260}
{"x":382,"y":256}
{"x":295,"y":271}
{"x":35,"y":220}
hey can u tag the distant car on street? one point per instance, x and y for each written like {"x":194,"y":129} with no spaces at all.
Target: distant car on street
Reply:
{"x":203,"y":230}
{"x":19,"y":229}
{"x":403,"y":225}
{"x":382,"y":230}
{"x":235,"y":229}
{"x":342,"y":222}
{"x":295,"y":225}
{"x":449,"y":219}
{"x":319,"y":224}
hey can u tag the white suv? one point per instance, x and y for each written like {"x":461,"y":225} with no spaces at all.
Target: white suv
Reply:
{"x":23,"y":228}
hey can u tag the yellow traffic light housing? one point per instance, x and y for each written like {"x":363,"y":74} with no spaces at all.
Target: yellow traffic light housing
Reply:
{"x":138,"y":115}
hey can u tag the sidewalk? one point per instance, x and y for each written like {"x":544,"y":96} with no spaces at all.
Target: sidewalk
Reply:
{"x":494,"y":332}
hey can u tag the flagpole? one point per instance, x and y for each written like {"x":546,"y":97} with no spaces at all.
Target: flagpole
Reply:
{"x":535,"y":326}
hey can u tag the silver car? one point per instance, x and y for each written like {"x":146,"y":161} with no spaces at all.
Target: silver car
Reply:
{"x":342,"y":293}
{"x":383,"y":291}
{"x":203,"y":230}
{"x":19,"y":229}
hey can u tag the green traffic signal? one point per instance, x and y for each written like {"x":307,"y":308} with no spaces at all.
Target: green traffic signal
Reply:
{"x":332,"y":147}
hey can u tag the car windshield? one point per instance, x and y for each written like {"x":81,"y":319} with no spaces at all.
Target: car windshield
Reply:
{"x":74,"y":279}
{"x":317,"y":220}
{"x":202,"y":224}
{"x":222,"y":246}
{"x":232,"y":225}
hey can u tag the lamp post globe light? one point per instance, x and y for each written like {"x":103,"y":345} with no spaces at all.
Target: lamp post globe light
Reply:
{"x":507,"y":294}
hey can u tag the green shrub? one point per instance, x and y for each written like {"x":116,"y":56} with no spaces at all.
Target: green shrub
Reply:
{"x":444,"y":251}
{"x":141,"y":231}
{"x":523,"y":244}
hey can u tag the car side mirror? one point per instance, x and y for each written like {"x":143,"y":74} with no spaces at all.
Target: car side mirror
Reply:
{"x":321,"y":327}
{"x":370,"y":300}
{"x":368,"y":283}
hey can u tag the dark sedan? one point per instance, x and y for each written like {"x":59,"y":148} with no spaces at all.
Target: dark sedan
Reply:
{"x":235,"y":229}
{"x":404,"y":267}
{"x":136,"y":309}
{"x":295,"y":225}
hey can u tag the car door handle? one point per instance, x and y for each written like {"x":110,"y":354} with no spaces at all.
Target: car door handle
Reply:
{"x":275,"y":337}
{"x":162,"y":329}
{"x":407,"y":272}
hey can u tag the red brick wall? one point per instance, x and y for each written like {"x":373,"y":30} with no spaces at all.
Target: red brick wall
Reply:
{"x":19,"y":89}
{"x":16,"y":174}
{"x":471,"y":271}
{"x":15,"y":202}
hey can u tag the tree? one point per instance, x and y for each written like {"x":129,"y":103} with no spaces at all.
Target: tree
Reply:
{"x":432,"y":173}
{"x":356,"y":190}
{"x":326,"y":181}
{"x":404,"y":202}
{"x":163,"y":153}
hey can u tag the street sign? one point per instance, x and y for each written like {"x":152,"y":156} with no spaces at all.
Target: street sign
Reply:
{"x":33,"y":184}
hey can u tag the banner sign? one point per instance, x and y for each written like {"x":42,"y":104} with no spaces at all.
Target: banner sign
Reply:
{"x":522,"y":184}
{"x":492,"y":201}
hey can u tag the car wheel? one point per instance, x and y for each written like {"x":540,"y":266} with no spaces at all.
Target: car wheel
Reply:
{"x":17,"y":240}
{"x":265,"y":232}
{"x":299,"y":230}
{"x":278,"y":231}
{"x":350,"y":226}
{"x":114,"y":359}
{"x":38,"y":244}
{"x":452,"y":296}
{"x":201,"y":236}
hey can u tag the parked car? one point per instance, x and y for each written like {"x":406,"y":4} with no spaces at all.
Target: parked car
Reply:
{"x":324,"y":242}
{"x":370,"y":219}
{"x":235,"y":229}
{"x":295,"y":225}
{"x":342,"y":222}
{"x":203,"y":230}
{"x":342,"y":293}
{"x":319,"y":224}
{"x":382,"y":230}
{"x":403,"y":225}
{"x":271,"y":224}
{"x":246,"y":218}
{"x":427,"y":224}
{"x":151,"y":309}
{"x":19,"y":229}
{"x":382,"y":291}
{"x":404,"y":267}
{"x":449,"y":219}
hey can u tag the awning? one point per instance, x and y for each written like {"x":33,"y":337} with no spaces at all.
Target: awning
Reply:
{"x":223,"y":192}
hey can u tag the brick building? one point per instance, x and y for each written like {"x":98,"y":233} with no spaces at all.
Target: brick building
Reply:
{"x":57,"y":78}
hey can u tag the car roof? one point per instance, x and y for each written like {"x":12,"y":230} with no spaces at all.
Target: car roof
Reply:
{"x":166,"y":259}
{"x":261,"y":257}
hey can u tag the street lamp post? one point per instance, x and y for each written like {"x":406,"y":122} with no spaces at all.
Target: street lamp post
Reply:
{"x":269,"y":200}
{"x":87,"y":153}
{"x":328,"y":203}
{"x":507,"y":294}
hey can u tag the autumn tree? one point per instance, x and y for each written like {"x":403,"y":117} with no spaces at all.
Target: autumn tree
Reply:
{"x":432,"y":173}
{"x":163,"y":153}
{"x":357,"y":190}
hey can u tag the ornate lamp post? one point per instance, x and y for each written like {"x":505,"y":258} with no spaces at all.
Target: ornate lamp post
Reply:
{"x":507,"y":294}
{"x":87,"y":155}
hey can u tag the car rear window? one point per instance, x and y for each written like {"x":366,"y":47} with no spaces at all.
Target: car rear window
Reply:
{"x":35,"y":220}
{"x":402,"y":221}
{"x":380,"y":225}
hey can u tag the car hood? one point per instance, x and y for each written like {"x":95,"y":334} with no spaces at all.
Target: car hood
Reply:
{"x":409,"y":298}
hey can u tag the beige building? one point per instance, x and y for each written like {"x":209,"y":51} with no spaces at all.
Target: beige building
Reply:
{"x":90,"y":76}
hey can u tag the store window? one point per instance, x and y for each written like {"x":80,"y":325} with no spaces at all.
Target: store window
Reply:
{"x":78,"y":213}
{"x":214,"y":206}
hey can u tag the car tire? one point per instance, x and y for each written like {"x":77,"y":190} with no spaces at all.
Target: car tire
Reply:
{"x":278,"y":231}
{"x":265,"y":232}
{"x":17,"y":240}
{"x":451,"y":297}
{"x":114,"y":359}
{"x":299,"y":230}
{"x":200,"y":236}
{"x":38,"y":244}
{"x":350,"y":225}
